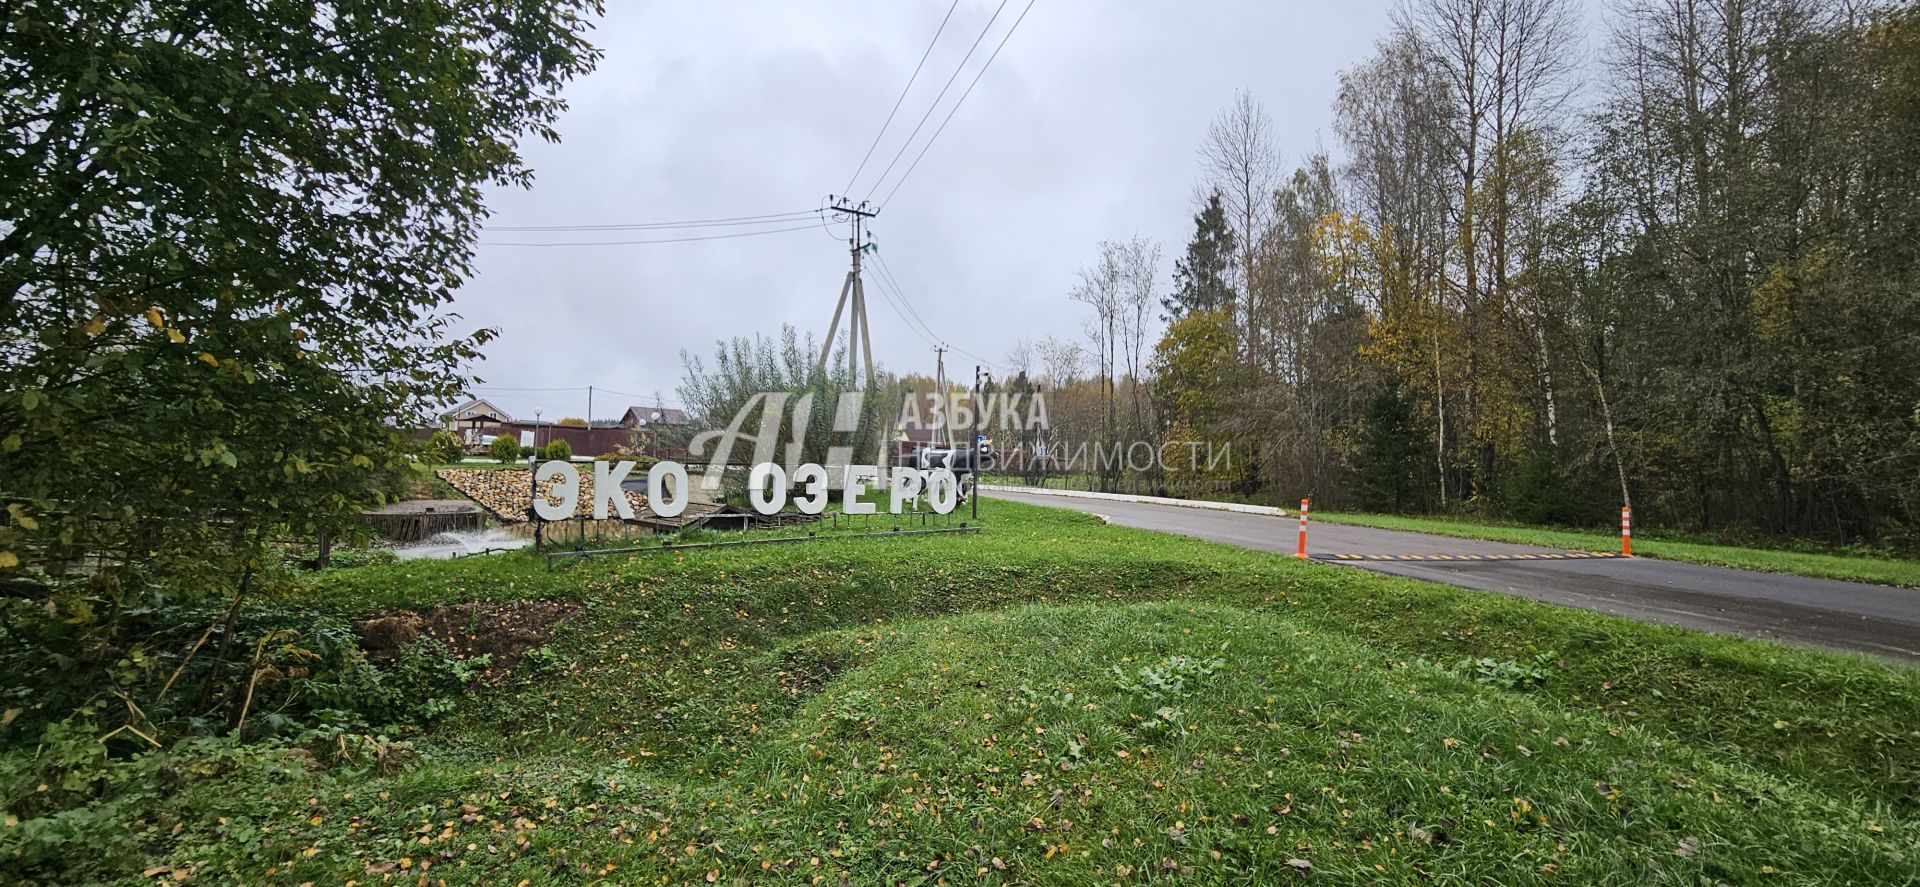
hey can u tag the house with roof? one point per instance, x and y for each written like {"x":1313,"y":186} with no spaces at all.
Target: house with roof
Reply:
{"x":476,"y":419}
{"x":642,"y":417}
{"x":664,"y":430}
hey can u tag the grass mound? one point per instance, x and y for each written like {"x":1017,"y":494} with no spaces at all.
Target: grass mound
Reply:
{"x":1109,"y":744}
{"x":667,"y":628}
{"x":1057,"y":701}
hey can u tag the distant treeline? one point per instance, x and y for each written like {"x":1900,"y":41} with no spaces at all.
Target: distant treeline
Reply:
{"x":1676,"y":266}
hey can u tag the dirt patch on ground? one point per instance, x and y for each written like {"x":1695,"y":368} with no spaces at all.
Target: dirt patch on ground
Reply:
{"x":804,"y":669}
{"x":504,"y":632}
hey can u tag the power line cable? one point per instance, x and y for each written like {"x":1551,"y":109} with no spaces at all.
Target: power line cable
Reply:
{"x":648,"y":400}
{"x":807,"y":227}
{"x":921,"y":329}
{"x":985,"y":362}
{"x":888,"y":274}
{"x":925,"y":330}
{"x":734,"y":221}
{"x":901,"y":290}
{"x":498,"y":388}
{"x":894,"y":301}
{"x":956,"y":106}
{"x":826,"y":226}
{"x":936,"y":99}
{"x":653,"y":401}
{"x":903,"y":96}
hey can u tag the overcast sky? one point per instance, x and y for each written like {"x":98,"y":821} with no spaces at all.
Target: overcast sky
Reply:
{"x":1084,"y":128}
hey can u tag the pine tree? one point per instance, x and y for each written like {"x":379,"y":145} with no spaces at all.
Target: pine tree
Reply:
{"x":1200,"y":278}
{"x":1387,"y":467}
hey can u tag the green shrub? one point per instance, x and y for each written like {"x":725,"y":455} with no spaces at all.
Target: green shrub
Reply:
{"x":426,"y":682}
{"x":559,"y":449}
{"x":77,"y":812}
{"x":70,"y":802}
{"x":505,"y":449}
{"x":444,"y":447}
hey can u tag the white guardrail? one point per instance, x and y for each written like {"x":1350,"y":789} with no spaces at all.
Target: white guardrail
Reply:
{"x":1268,"y":510}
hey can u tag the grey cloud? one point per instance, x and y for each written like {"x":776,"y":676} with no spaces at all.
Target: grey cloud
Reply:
{"x":1084,"y":128}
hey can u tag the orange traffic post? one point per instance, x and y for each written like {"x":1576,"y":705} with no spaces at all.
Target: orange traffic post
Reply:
{"x":1626,"y":531}
{"x":1303,"y":529}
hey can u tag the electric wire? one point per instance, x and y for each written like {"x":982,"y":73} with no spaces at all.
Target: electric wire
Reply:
{"x":807,"y":227}
{"x":900,"y":291}
{"x":956,"y":107}
{"x":936,"y":99}
{"x":983,"y":361}
{"x":887,"y":270}
{"x":735,"y":221}
{"x":499,"y":388}
{"x":930,"y":340}
{"x":894,"y":301}
{"x":642,"y":399}
{"x":826,"y":224}
{"x":903,"y":96}
{"x":656,"y":400}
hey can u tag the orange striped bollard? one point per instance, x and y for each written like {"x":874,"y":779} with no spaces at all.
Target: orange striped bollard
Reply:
{"x":1303,"y":529}
{"x":1626,"y":531}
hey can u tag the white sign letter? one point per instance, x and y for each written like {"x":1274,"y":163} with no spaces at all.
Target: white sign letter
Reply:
{"x":814,"y":479}
{"x":657,"y":489}
{"x":857,"y":487}
{"x":943,"y":491}
{"x":763,"y":500}
{"x":567,"y":487}
{"x":606,"y":489}
{"x":907,"y":484}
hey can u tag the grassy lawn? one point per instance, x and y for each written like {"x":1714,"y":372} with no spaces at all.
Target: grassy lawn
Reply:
{"x":1855,"y":568}
{"x":1057,"y":701}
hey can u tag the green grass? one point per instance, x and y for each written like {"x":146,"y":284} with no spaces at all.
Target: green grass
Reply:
{"x":1854,"y":568}
{"x":1057,"y":701}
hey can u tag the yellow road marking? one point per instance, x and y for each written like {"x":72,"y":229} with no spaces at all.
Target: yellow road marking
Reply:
{"x":1556,"y":555}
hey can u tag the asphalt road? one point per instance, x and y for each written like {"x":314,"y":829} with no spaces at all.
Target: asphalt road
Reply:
{"x":1822,"y":612}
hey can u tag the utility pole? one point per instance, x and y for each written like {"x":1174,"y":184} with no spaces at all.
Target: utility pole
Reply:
{"x":859,"y":335}
{"x":589,"y":411}
{"x":940,"y":389}
{"x":979,"y":423}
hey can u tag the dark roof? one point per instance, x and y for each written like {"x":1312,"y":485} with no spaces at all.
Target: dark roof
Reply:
{"x":639,"y":415}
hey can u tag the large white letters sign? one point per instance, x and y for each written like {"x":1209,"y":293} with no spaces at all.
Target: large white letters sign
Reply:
{"x":768,"y":487}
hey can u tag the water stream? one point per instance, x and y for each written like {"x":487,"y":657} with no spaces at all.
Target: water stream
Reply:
{"x":459,"y":543}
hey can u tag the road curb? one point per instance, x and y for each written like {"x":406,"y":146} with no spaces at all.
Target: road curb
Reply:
{"x":1268,"y":510}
